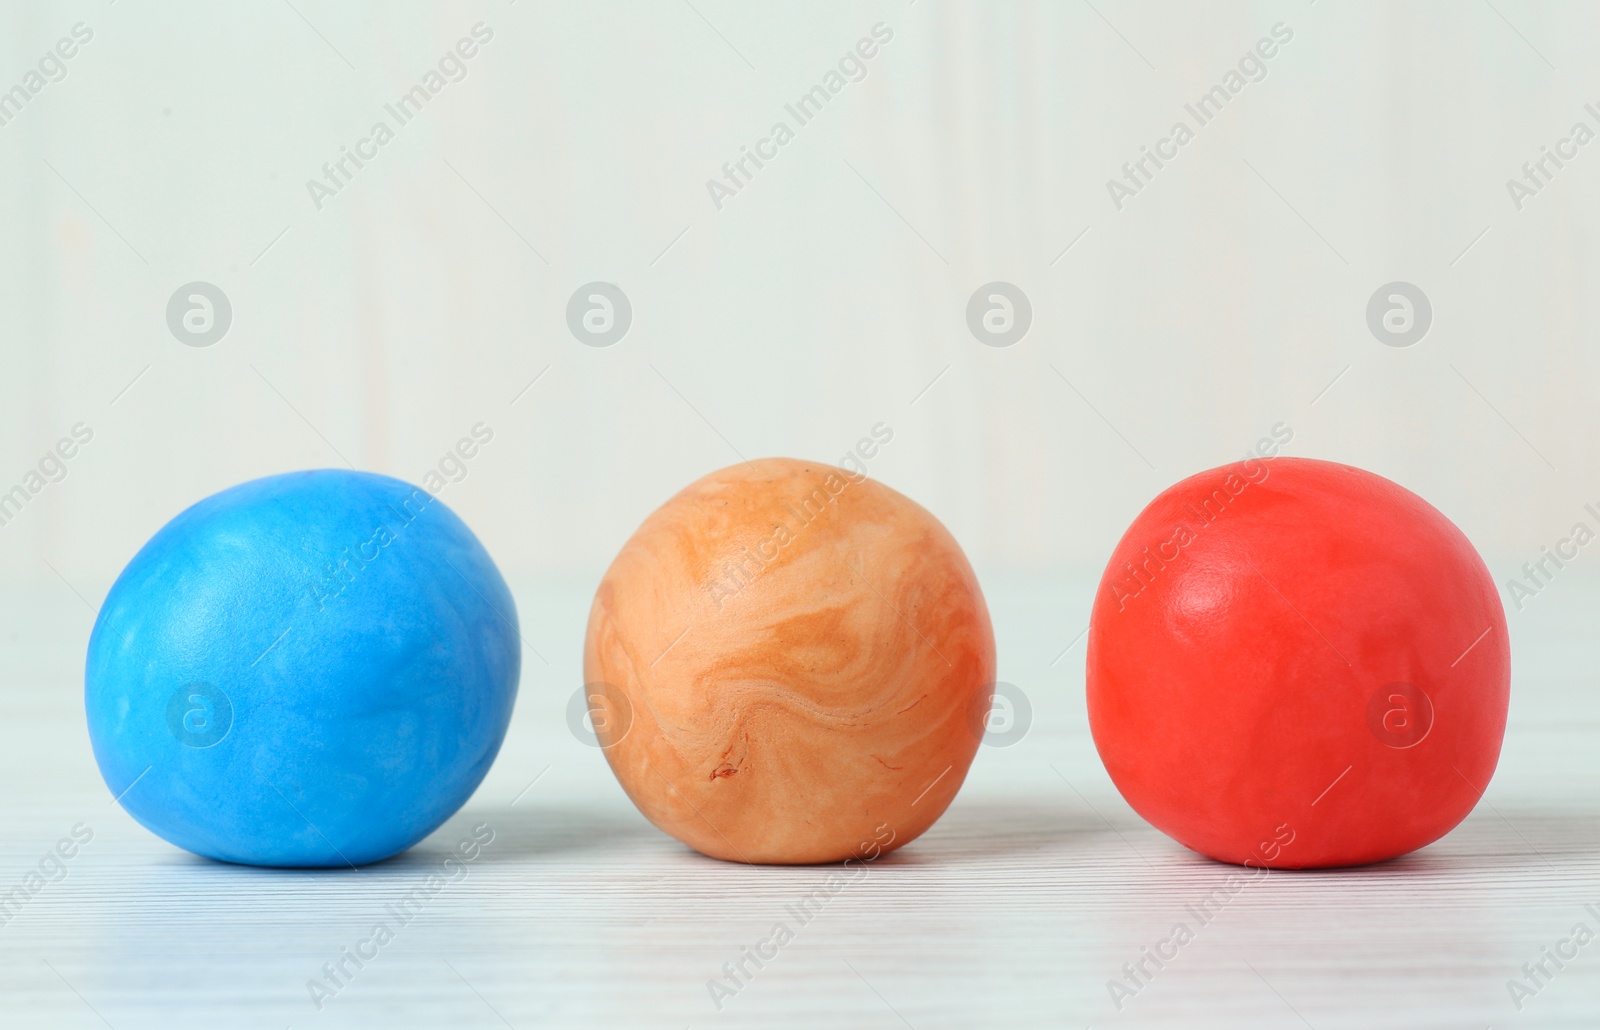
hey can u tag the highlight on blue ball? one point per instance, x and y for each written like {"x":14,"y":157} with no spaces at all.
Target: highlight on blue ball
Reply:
{"x":311,"y":669}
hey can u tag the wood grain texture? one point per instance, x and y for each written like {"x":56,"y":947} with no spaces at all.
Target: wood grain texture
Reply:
{"x":1014,"y":910}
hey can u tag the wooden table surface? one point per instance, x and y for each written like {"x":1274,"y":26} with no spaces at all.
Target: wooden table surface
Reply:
{"x":1015,"y":910}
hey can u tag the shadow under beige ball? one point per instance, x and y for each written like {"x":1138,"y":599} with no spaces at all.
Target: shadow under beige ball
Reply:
{"x":792,"y":665}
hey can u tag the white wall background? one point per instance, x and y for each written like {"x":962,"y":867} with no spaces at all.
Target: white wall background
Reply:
{"x":823,"y":298}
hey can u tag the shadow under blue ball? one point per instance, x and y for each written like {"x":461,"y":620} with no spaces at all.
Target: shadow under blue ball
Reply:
{"x":312,"y":669}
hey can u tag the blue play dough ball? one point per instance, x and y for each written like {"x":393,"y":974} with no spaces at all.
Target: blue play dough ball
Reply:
{"x":312,"y":669}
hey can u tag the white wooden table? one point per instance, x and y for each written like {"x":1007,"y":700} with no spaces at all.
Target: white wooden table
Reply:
{"x":1014,"y":911}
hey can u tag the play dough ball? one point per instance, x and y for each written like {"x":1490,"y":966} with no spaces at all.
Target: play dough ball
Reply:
{"x":1296,"y":663}
{"x":312,"y":669}
{"x":785,"y":658}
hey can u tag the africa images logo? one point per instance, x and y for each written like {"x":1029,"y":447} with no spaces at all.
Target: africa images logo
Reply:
{"x":1252,"y":67}
{"x":452,"y":67}
{"x":852,"y":67}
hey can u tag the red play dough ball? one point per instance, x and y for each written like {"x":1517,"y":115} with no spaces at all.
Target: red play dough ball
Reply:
{"x":1295,"y":663}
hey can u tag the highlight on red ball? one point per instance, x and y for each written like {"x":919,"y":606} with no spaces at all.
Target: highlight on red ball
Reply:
{"x":1295,"y":663}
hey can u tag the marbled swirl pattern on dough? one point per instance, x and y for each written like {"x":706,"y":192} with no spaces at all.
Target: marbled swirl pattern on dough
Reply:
{"x":793,"y":658}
